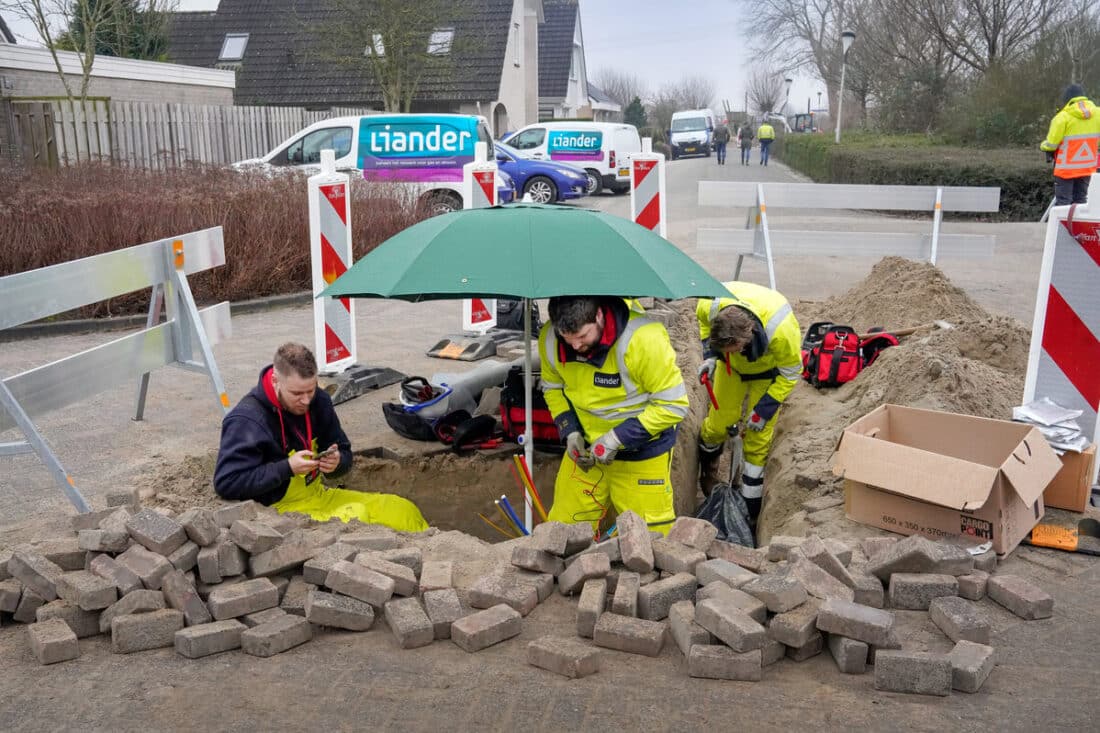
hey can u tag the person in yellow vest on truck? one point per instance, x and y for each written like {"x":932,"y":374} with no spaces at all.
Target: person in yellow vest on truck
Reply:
{"x":610,"y":379}
{"x":1073,"y":142}
{"x":753,"y":358}
{"x":766,"y":134}
{"x":283,"y":440}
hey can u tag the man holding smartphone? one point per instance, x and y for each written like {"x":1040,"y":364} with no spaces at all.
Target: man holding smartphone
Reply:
{"x":271,"y":450}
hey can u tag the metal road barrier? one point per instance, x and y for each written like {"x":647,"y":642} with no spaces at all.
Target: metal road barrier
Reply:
{"x":163,"y":266}
{"x":759,"y":241}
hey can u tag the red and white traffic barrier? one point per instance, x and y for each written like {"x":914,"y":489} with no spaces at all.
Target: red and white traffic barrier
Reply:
{"x":647,"y":189}
{"x":479,"y":189}
{"x":1065,"y":335}
{"x":330,"y":253}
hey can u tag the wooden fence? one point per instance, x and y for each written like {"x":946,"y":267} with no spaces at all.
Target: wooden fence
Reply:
{"x":53,"y":131}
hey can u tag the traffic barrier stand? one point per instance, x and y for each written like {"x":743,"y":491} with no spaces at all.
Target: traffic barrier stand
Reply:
{"x":1065,"y":333}
{"x":648,"y":205}
{"x":163,"y":266}
{"x":334,"y":327}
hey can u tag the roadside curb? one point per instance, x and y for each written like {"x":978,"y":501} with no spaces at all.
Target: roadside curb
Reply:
{"x":117,"y":323}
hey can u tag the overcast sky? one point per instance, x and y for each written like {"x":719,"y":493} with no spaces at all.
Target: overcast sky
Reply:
{"x":659,"y":40}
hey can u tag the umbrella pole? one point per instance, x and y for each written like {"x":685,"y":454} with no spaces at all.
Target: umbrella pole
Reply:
{"x":528,"y":437}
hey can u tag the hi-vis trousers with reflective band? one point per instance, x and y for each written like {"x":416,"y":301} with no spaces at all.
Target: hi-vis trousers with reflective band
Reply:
{"x":731,"y":390}
{"x":324,"y":504}
{"x":644,"y":487}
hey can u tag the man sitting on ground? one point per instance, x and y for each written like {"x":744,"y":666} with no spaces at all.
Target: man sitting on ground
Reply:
{"x":271,"y":450}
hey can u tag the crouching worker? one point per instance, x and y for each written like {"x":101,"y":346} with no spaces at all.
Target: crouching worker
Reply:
{"x":610,"y":379}
{"x":283,"y":439}
{"x":753,"y":357}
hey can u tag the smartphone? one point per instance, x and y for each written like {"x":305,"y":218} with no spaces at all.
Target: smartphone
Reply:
{"x":329,"y":451}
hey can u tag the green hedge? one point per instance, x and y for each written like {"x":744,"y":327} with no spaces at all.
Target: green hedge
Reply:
{"x":1023,"y":176}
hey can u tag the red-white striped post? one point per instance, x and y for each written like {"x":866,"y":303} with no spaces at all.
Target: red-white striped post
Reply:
{"x":647,"y":189}
{"x":479,"y":189}
{"x":1065,"y":334}
{"x":330,"y":253}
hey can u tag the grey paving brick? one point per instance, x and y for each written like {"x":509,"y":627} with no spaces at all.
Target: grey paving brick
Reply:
{"x":443,"y":607}
{"x":287,"y":556}
{"x":815,"y":550}
{"x":204,"y":588}
{"x":294,"y":598}
{"x":751,"y":559}
{"x":10,"y":590}
{"x":552,"y":538}
{"x":358,"y":581}
{"x":972,"y":587}
{"x":410,"y":557}
{"x":632,"y":635}
{"x":409,"y":623}
{"x":772,"y":652}
{"x":277,"y":636}
{"x":751,"y":606}
{"x":138,"y":601}
{"x":970,"y":665}
{"x":586,"y":567}
{"x":695,"y":533}
{"x":718,"y":662}
{"x":725,"y":571}
{"x":850,"y":655}
{"x":797,"y":626}
{"x":150,"y":566}
{"x":625,"y":600}
{"x":207,"y":563}
{"x":986,"y":562}
{"x":778,"y":593}
{"x":200,"y":526}
{"x":917,"y":673}
{"x":141,"y":631}
{"x":580,"y":538}
{"x":267,"y":615}
{"x":915,"y":591}
{"x":592,"y":603}
{"x":674,"y":557}
{"x":232,"y":560}
{"x":436,"y":575}
{"x":224,"y":516}
{"x":960,"y":619}
{"x":83,"y":623}
{"x":203,"y":640}
{"x":156,"y":532}
{"x":374,"y":540}
{"x":489,"y":590}
{"x":180,"y":594}
{"x":818,"y":582}
{"x":822,"y":502}
{"x":240,"y":599}
{"x":90,"y":520}
{"x":607,"y":547}
{"x":186,"y":557}
{"x":871,"y":546}
{"x":254,"y":536}
{"x":539,"y":561}
{"x":868,"y":590}
{"x":567,"y":657}
{"x":102,"y":540}
{"x":685,"y":632}
{"x":52,"y":641}
{"x":635,"y":542}
{"x":316,"y":569}
{"x":780,"y":545}
{"x":655,"y":599}
{"x":64,"y":552}
{"x":841,"y":550}
{"x":811,"y":648}
{"x":87,"y":590}
{"x":730,"y":625}
{"x":870,"y":625}
{"x":34,"y":571}
{"x":1023,"y":598}
{"x":485,"y":628}
{"x":27,"y":610}
{"x":917,"y":554}
{"x":337,"y":611}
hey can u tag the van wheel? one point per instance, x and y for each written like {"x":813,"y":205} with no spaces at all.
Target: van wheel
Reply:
{"x":441,"y":203}
{"x":541,"y":190}
{"x":595,"y":182}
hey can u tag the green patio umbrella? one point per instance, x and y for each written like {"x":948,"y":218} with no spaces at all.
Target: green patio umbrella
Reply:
{"x":525,"y":251}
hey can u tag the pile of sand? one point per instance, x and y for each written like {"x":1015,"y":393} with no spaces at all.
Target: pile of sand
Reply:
{"x":975,"y":368}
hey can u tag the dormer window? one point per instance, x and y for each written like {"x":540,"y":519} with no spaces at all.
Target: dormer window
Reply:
{"x":377,"y":46}
{"x":439,"y":44}
{"x":233,"y":47}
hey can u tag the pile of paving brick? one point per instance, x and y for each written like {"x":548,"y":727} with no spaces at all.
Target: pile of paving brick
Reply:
{"x":243,"y":577}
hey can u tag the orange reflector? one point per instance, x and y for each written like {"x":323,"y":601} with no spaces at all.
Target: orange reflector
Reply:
{"x":177,"y":251}
{"x":70,"y":480}
{"x":225,"y":399}
{"x":938,"y":206}
{"x":763,"y":208}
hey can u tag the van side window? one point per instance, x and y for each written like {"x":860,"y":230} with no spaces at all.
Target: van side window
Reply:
{"x":529,"y":139}
{"x":307,"y":149}
{"x":484,"y":136}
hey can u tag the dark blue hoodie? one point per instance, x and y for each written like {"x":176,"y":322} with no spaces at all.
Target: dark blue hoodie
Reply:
{"x":257,"y":435}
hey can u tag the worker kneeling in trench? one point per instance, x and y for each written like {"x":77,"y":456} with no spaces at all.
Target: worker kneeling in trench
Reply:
{"x":283,"y":439}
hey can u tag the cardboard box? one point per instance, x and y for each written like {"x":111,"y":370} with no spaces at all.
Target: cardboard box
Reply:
{"x":942,"y":474}
{"x":1071,"y":487}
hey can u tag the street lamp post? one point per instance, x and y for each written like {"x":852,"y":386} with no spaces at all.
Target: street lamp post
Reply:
{"x":846,"y":39}
{"x":819,"y":100}
{"x":788,"y":81}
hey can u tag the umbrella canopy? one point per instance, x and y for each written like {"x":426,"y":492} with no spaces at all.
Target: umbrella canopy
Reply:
{"x":525,"y":251}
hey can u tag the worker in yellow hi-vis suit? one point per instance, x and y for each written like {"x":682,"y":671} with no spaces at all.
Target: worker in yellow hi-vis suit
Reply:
{"x":753,"y":357}
{"x":270,"y":450}
{"x":610,"y":379}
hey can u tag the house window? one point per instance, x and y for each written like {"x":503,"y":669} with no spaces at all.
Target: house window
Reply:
{"x":233,"y":47}
{"x":377,"y":46}
{"x":440,"y":42}
{"x":517,"y":53}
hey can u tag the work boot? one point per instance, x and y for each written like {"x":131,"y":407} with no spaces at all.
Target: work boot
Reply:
{"x":709,"y":474}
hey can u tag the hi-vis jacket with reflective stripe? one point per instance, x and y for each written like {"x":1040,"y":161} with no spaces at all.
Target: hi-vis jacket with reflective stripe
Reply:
{"x":636,"y":389}
{"x":776,"y":349}
{"x":1075,"y":134}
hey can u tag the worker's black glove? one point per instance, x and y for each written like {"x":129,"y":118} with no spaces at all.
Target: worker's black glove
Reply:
{"x":1050,"y":156}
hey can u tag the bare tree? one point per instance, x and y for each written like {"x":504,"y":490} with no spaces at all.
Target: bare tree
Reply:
{"x":622,"y":86}
{"x":697,"y":91}
{"x":662,"y":104}
{"x":765,"y":89}
{"x":984,"y":33}
{"x":1079,"y":30}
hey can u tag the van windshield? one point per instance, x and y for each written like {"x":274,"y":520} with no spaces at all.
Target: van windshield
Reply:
{"x":689,"y":124}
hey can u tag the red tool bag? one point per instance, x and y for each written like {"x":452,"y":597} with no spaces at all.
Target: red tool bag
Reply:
{"x":833,"y":355}
{"x":513,"y":415}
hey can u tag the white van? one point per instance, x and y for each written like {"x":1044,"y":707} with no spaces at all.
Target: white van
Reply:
{"x":426,"y":151}
{"x":692,"y":133}
{"x":601,"y":148}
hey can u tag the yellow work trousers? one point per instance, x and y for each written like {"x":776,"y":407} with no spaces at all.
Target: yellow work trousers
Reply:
{"x":370,"y":508}
{"x":731,"y":392}
{"x":644,"y":487}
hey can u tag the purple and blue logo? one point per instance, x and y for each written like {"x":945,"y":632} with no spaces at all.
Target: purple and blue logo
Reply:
{"x":575,"y":145}
{"x":420,"y":148}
